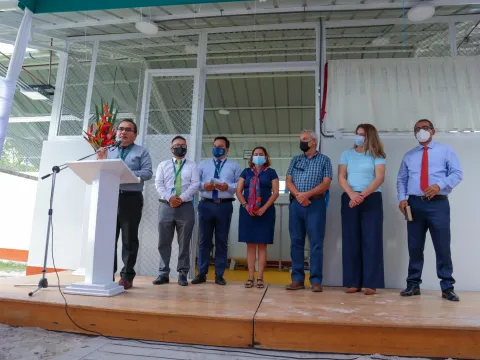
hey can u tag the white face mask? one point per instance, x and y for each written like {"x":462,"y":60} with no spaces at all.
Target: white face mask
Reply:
{"x":423,"y":136}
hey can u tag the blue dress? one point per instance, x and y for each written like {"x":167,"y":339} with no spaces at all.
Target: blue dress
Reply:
{"x":258,"y":229}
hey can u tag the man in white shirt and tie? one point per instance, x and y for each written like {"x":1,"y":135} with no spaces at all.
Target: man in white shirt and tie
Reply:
{"x":176,"y":181}
{"x":218,"y":183}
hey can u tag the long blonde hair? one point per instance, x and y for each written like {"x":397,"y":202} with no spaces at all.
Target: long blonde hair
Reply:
{"x":373,"y":144}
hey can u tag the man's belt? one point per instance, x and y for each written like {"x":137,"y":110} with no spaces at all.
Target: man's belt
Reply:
{"x":424,"y":198}
{"x":218,"y":201}
{"x":125,"y":192}
{"x":168,"y":203}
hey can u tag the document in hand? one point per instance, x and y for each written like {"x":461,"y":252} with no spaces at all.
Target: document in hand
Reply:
{"x":216,"y":181}
{"x":408,"y":213}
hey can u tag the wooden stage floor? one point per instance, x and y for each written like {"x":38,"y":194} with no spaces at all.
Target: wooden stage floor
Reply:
{"x":270,"y":318}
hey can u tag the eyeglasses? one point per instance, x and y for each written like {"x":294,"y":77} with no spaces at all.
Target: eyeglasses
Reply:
{"x":426,"y":128}
{"x":120,"y":129}
{"x":179,"y":146}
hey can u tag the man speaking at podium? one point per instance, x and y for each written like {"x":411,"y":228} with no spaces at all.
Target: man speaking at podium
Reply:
{"x":130,"y":200}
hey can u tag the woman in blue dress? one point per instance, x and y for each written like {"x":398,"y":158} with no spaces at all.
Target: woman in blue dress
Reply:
{"x":257,"y":190}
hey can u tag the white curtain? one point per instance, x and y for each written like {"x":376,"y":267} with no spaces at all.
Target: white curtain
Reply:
{"x":8,"y":84}
{"x":393,"y":94}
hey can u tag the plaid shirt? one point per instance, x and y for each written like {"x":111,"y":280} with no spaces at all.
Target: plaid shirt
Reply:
{"x":309,"y":173}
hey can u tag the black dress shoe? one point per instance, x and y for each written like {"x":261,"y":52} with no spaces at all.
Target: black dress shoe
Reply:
{"x":219,"y":280}
{"x":411,"y":290}
{"x":450,"y":295}
{"x":182,"y":280}
{"x":199,"y":279}
{"x":161,"y":280}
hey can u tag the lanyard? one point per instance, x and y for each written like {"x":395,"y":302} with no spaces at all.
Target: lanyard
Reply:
{"x":218,"y":169}
{"x":175,"y":172}
{"x":123,"y":152}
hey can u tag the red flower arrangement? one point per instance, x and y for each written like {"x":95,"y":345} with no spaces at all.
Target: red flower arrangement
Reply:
{"x":102,"y":133}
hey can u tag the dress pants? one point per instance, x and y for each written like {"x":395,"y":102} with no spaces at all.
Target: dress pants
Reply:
{"x":362,"y":242}
{"x":214,"y":218}
{"x":182,"y":220}
{"x":302,"y":221}
{"x":130,"y":205}
{"x":433,"y":215}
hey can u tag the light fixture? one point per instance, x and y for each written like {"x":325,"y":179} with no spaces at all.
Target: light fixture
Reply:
{"x":224,"y":112}
{"x":33,"y":95}
{"x":146,"y":27}
{"x":7,"y":49}
{"x":421,"y":12}
{"x":38,"y":92}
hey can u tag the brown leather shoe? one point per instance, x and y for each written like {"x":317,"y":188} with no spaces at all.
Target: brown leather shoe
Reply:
{"x":369,"y":291}
{"x":317,"y":288}
{"x":353,"y":290}
{"x":295,"y":285}
{"x":126,"y":284}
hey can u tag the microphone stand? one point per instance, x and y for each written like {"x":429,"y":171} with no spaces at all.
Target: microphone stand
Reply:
{"x":43,"y":283}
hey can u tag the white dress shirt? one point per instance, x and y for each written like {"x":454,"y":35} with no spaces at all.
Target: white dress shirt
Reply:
{"x":165,"y":180}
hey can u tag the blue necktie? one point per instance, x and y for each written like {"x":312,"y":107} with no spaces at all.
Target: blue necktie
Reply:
{"x":217,"y":167}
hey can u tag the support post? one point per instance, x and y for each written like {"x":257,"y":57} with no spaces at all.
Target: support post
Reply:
{"x":452,"y":30}
{"x":197,"y":131}
{"x":8,"y":84}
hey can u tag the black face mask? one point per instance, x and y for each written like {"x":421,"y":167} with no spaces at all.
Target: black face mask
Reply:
{"x":304,"y":146}
{"x":179,"y":152}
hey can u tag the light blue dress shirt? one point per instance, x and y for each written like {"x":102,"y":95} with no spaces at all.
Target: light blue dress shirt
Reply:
{"x":360,"y":169}
{"x":139,"y":162}
{"x":443,"y":169}
{"x":230,"y":173}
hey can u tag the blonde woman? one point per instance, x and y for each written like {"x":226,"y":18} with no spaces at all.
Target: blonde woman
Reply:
{"x":361,"y":173}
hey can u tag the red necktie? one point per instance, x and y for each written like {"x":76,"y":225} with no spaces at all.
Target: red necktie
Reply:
{"x":424,"y":173}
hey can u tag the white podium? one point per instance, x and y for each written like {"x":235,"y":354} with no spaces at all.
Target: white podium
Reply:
{"x":105,"y":177}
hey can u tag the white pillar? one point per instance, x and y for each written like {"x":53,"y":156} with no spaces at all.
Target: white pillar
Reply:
{"x":8,"y":84}
{"x":452,"y":31}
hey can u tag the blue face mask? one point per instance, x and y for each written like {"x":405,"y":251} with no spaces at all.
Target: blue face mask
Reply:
{"x":259,"y":160}
{"x":218,"y":152}
{"x":359,"y":140}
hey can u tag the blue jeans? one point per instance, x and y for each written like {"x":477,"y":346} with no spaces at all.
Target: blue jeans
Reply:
{"x":435,"y":217}
{"x":362,"y":242}
{"x":213,"y":219}
{"x":309,"y":221}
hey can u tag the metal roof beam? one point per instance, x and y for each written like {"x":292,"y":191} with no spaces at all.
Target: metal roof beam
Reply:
{"x":35,"y":30}
{"x":399,"y":21}
{"x":258,"y":11}
{"x":29,"y":119}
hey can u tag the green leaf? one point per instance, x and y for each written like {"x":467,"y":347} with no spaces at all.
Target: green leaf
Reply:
{"x":96,"y":111}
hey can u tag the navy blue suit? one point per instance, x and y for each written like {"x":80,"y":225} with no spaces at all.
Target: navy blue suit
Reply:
{"x":433,"y":215}
{"x":215,"y":212}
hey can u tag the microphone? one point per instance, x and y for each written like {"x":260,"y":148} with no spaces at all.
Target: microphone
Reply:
{"x":116,"y":145}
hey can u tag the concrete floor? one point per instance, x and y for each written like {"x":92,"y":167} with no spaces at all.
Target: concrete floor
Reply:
{"x":132,"y":350}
